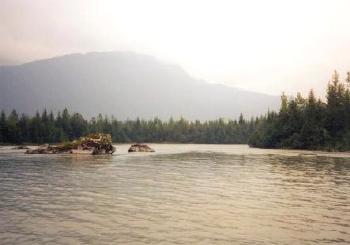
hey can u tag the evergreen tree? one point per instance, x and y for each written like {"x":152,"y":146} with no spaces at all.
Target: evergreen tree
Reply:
{"x":309,"y":123}
{"x":12,"y":128}
{"x":3,"y":127}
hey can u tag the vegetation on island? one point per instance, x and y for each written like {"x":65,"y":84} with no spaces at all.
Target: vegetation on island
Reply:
{"x":301,"y":123}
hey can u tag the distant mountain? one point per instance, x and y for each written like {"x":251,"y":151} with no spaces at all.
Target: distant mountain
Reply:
{"x":123,"y":84}
{"x":5,"y":61}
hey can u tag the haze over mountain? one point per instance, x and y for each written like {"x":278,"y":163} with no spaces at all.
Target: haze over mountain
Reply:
{"x":123,"y":84}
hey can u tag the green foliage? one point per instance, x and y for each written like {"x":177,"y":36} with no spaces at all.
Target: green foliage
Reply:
{"x":41,"y":128}
{"x":308,"y":123}
{"x":64,"y":127}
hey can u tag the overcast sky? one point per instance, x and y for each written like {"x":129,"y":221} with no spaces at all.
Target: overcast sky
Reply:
{"x":266,"y":46}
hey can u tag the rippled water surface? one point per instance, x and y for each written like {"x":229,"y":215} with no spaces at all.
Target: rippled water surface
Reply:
{"x":182,"y":194}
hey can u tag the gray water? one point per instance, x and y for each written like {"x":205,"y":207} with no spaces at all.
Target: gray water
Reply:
{"x":182,"y":194}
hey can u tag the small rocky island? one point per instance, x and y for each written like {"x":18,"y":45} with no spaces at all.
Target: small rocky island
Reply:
{"x":93,"y":144}
{"x":140,"y":148}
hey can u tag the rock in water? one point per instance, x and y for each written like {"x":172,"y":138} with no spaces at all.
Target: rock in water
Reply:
{"x":20,"y":147}
{"x":49,"y":149}
{"x":93,"y":144}
{"x":140,"y":148}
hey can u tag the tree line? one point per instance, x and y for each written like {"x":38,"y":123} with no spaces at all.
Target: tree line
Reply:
{"x":301,"y":123}
{"x":45,"y":127}
{"x":308,"y":123}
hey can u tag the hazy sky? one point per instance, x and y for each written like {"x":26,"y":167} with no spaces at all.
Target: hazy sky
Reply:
{"x":266,"y":46}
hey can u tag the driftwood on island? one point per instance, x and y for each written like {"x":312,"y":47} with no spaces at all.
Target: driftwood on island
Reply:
{"x":20,"y":147}
{"x":93,"y":144}
{"x":140,"y":148}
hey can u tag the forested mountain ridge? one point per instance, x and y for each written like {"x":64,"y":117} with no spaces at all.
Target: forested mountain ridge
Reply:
{"x":124,"y":84}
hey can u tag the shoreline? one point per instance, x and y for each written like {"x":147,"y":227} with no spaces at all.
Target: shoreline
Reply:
{"x":308,"y":152}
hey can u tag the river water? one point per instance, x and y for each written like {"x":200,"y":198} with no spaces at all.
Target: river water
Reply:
{"x":182,"y":194}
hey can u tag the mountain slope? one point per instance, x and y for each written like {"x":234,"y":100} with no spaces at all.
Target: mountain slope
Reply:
{"x":123,"y":84}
